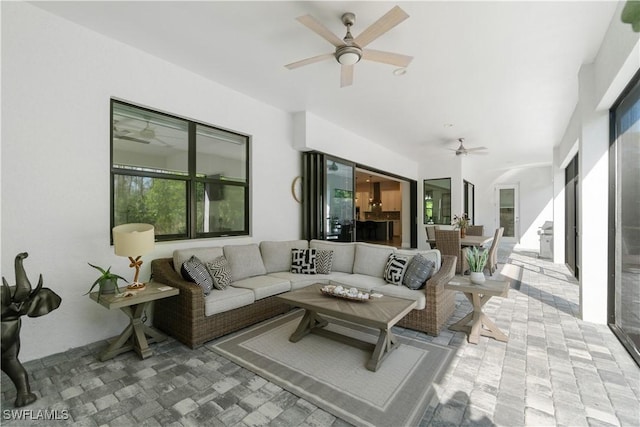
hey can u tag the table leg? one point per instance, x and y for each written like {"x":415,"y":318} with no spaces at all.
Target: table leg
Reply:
{"x":134,"y":336}
{"x":477,"y":323}
{"x":311,"y":320}
{"x":386,"y":344}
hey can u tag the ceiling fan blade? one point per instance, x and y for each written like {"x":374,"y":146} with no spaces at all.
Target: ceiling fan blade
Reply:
{"x":130,"y":138}
{"x":381,"y":26}
{"x":476,"y":148}
{"x":317,"y":27}
{"x":346,"y":75}
{"x":391,"y":58}
{"x":308,"y":61}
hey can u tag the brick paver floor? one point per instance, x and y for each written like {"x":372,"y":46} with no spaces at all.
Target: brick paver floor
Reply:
{"x":554,"y":370}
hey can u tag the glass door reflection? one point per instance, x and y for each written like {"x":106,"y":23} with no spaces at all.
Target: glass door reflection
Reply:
{"x":339,"y":209}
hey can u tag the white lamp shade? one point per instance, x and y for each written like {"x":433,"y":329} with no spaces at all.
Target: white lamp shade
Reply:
{"x":348,"y":58}
{"x":132,"y":240}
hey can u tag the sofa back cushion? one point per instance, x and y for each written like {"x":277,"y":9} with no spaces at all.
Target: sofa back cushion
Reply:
{"x":207,"y":254}
{"x":371,"y":259}
{"x":430,"y":254}
{"x":343,"y":254}
{"x":277,"y":255}
{"x":244,"y":260}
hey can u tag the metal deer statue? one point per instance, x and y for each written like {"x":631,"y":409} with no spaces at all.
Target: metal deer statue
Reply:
{"x":17,"y":301}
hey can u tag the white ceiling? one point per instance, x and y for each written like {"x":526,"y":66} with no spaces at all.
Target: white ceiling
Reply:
{"x":500,"y":74}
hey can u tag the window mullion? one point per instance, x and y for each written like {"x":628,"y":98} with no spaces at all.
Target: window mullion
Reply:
{"x":191,"y":190}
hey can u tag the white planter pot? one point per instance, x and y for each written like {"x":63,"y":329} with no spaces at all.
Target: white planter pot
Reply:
{"x":477,"y":277}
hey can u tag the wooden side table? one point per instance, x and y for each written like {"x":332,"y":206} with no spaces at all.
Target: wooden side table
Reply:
{"x":134,"y":336}
{"x":477,"y":323}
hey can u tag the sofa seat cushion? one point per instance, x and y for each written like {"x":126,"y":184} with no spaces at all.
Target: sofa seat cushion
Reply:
{"x":207,"y":254}
{"x":245,"y":261}
{"x":360,"y":281}
{"x":371,"y":259}
{"x":343,"y":254}
{"x":220,"y":301}
{"x":303,"y":280}
{"x":263,"y":286}
{"x":277,"y":255}
{"x":402,"y":291}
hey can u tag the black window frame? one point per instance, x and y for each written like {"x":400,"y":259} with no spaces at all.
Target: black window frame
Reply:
{"x":191,"y":178}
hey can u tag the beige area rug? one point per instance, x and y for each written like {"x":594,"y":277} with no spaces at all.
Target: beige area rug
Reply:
{"x":332,"y":375}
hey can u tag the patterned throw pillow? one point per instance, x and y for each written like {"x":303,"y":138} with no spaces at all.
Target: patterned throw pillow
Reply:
{"x":324,"y":261}
{"x":395,"y":268}
{"x":418,"y":272}
{"x":303,"y":261}
{"x":220,"y":272}
{"x":195,"y":271}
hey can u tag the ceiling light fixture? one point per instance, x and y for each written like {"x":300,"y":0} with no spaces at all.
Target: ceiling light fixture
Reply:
{"x":400,"y":71}
{"x":349,"y":55}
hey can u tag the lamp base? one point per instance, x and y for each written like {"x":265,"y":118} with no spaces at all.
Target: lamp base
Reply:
{"x":136,"y":286}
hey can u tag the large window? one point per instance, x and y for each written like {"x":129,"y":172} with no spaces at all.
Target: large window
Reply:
{"x":437,"y":201}
{"x":188,"y":179}
{"x":624,"y":248}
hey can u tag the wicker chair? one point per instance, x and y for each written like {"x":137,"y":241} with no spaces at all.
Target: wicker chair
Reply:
{"x":475,"y":230}
{"x":431,"y":234}
{"x":448,"y":243}
{"x":492,"y":259}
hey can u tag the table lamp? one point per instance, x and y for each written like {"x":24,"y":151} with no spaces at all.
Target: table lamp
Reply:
{"x":133,"y":241}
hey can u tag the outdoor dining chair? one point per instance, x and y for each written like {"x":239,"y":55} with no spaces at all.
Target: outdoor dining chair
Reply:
{"x":448,"y":243}
{"x":492,"y":259}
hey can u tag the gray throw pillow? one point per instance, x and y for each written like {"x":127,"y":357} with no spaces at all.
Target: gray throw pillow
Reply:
{"x":395,"y":269}
{"x":324,"y":261}
{"x":418,"y":272}
{"x":303,"y":261}
{"x":220,"y":272}
{"x":193,"y":270}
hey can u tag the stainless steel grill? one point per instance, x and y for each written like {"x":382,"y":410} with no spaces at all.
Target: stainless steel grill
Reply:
{"x":546,"y":240}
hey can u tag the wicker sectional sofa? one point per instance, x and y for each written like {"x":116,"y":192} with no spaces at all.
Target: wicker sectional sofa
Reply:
{"x":262,"y":271}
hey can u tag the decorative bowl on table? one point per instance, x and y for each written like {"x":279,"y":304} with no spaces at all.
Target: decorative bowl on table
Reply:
{"x":352,"y":294}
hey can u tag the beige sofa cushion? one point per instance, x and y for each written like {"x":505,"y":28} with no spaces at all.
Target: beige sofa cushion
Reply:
{"x":277,"y":255}
{"x":371,"y":259}
{"x":220,"y":301}
{"x":303,"y":280}
{"x":244,"y":260}
{"x":205,"y":255}
{"x":263,"y":286}
{"x":360,"y":281}
{"x":402,"y":291}
{"x":343,"y":254}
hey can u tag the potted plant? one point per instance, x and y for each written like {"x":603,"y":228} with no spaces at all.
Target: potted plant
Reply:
{"x":461,"y":222}
{"x":107,"y":281}
{"x":477,"y":260}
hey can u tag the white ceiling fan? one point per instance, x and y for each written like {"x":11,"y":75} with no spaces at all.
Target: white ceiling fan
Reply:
{"x":462,"y":150}
{"x":143,"y":136}
{"x":349,"y":51}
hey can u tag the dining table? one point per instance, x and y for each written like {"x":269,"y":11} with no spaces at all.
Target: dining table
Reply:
{"x":469,"y":241}
{"x":480,"y":241}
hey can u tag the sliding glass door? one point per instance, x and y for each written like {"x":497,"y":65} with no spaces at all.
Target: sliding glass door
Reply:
{"x":340,"y":191}
{"x":328,"y":193}
{"x":624,"y":288}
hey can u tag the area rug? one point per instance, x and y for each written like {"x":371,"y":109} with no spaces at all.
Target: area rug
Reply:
{"x":332,"y":375}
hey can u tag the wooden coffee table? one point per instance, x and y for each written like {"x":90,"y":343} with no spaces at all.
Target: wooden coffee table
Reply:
{"x":477,"y":323}
{"x":380,"y":313}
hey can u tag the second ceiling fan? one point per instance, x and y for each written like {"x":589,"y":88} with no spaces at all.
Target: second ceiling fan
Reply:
{"x":349,"y":51}
{"x":462,"y":150}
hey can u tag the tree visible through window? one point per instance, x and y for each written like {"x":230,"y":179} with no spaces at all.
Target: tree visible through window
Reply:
{"x":188,"y":179}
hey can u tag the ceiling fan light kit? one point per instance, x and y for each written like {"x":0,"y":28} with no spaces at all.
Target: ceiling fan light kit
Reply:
{"x":349,"y":51}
